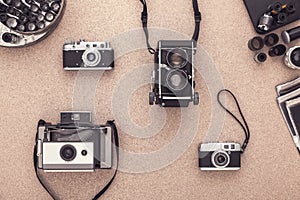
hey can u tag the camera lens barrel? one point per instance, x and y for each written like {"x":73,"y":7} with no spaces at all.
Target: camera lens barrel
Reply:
{"x":291,"y":35}
{"x":177,"y":80}
{"x":276,"y":8}
{"x":220,"y":159}
{"x":68,"y":152}
{"x":292,"y":58}
{"x":281,"y":18}
{"x":271,"y":39}
{"x":290,"y":7}
{"x":256,"y":43}
{"x":260,"y":57}
{"x":278,"y":50}
{"x":265,"y":22}
{"x":177,"y":58}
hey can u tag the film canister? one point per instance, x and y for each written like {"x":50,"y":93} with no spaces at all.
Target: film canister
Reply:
{"x":278,"y":50}
{"x":260,"y":57}
{"x":256,"y":43}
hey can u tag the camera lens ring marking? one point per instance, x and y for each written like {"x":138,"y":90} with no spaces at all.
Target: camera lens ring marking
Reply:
{"x":68,"y":152}
{"x":177,"y":55}
{"x":87,"y":55}
{"x":217,"y":155}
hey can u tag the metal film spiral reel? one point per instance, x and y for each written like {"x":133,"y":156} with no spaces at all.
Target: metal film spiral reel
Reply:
{"x":25,"y":22}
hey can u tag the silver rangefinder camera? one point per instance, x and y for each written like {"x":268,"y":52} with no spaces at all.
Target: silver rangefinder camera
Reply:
{"x":220,"y":156}
{"x":74,"y":145}
{"x":84,"y":55}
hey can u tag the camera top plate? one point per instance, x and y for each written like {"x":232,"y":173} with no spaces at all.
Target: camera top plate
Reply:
{"x":256,"y":8}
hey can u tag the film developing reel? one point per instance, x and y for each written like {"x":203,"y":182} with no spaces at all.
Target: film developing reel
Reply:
{"x":25,"y":22}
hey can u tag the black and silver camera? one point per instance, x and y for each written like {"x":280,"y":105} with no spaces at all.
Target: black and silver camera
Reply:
{"x":173,"y":82}
{"x":173,"y":76}
{"x":75,"y":144}
{"x":224,"y":156}
{"x":220,"y":156}
{"x":83,"y":55}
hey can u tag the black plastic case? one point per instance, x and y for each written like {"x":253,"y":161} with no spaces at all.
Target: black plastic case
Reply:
{"x":256,"y":8}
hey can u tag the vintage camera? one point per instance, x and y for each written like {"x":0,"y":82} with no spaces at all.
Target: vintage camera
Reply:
{"x":83,"y":55}
{"x":220,"y":156}
{"x":74,"y":145}
{"x":24,"y":23}
{"x":173,"y":76}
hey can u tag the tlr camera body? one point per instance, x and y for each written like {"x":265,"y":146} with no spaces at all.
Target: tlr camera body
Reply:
{"x":220,"y":156}
{"x":88,"y":56}
{"x":173,"y":76}
{"x":74,"y":145}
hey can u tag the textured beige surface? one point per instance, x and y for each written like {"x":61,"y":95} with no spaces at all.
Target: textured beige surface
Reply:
{"x":33,"y":85}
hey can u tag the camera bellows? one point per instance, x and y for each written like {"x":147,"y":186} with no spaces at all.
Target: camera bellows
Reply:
{"x":75,"y":145}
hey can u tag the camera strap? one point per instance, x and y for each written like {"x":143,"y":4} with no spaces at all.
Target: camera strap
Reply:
{"x":245,"y":125}
{"x":99,"y":194}
{"x":144,"y":18}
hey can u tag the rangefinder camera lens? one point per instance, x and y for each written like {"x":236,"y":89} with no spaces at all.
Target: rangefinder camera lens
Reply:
{"x":68,"y":152}
{"x":91,"y":57}
{"x":220,"y":159}
{"x":292,"y":58}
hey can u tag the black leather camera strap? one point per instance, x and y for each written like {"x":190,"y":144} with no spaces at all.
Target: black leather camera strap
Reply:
{"x":144,"y":18}
{"x":99,"y":194}
{"x":245,"y":125}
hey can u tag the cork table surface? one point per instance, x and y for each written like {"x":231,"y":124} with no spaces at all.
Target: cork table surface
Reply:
{"x":34,"y":86}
